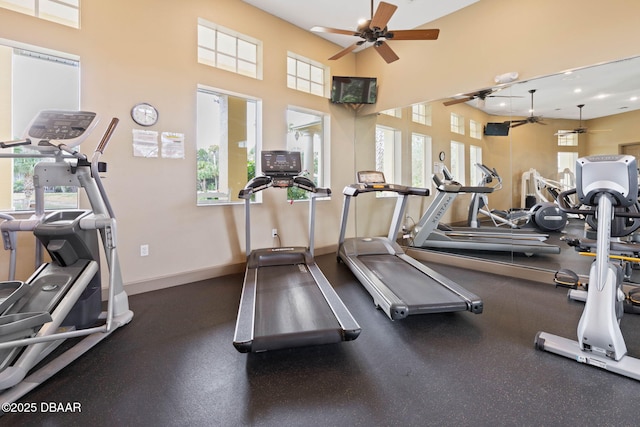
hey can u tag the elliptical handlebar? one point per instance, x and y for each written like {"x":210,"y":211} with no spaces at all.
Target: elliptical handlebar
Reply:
{"x":95,"y":164}
{"x":107,"y":135}
{"x":15,"y":143}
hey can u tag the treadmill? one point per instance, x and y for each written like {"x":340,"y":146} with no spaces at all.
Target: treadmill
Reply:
{"x":399,"y":285}
{"x":429,"y":233}
{"x":286,"y":300}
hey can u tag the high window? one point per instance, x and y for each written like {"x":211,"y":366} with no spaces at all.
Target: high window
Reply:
{"x":306,"y":75}
{"x":567,"y":139}
{"x":475,"y":129}
{"x":421,"y":113}
{"x":65,"y":12}
{"x":229,"y":50}
{"x":457,"y":123}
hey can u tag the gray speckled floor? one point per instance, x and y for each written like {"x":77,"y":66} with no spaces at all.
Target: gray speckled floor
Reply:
{"x":175,"y":364}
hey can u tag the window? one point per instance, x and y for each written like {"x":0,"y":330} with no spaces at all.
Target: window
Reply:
{"x":457,"y":124}
{"x":393,"y":112}
{"x":65,"y":12}
{"x":227,"y":144}
{"x":386,"y":143}
{"x":35,"y":80}
{"x":457,"y":161}
{"x":229,"y":50}
{"x":421,"y":113}
{"x":567,"y":168}
{"x":306,"y":75}
{"x":567,"y":139}
{"x":306,"y":134}
{"x":420,"y":160}
{"x":475,"y":129}
{"x":475,"y":157}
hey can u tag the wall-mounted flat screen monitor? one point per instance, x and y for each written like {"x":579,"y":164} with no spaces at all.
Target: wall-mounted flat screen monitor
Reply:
{"x":497,"y":129}
{"x":354,"y":90}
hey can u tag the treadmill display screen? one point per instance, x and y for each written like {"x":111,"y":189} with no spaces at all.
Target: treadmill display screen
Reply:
{"x":281,"y":163}
{"x":371,"y":177}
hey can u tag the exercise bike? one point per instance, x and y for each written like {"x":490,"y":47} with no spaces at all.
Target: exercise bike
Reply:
{"x":62,"y":298}
{"x":607,"y":184}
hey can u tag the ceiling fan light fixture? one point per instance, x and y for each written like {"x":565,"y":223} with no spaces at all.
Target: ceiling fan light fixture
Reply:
{"x":506,"y":77}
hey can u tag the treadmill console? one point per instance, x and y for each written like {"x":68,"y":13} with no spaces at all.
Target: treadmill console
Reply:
{"x":371,"y":177}
{"x":281,"y":166}
{"x":68,"y":127}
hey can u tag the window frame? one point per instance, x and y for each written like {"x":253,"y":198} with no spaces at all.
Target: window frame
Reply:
{"x":257,"y":198}
{"x":217,"y":53}
{"x":324,"y":89}
{"x":37,"y":10}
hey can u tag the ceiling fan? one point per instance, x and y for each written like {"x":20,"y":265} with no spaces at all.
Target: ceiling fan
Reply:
{"x":580,"y":128}
{"x":480,"y":95}
{"x":530,"y":119}
{"x":375,"y":31}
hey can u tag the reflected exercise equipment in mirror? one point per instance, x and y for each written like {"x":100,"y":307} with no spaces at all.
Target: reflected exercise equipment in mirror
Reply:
{"x":587,"y":111}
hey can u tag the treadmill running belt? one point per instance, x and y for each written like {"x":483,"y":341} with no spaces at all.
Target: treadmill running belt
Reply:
{"x":411,"y":285}
{"x":289,"y":301}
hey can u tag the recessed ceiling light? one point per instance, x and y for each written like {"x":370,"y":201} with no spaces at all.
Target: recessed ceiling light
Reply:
{"x":633,"y":98}
{"x":577,"y":90}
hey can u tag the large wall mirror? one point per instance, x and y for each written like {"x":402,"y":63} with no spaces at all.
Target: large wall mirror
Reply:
{"x":550,"y":122}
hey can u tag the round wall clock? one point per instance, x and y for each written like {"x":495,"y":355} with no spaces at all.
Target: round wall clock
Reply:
{"x":441,"y":156}
{"x":144,"y":114}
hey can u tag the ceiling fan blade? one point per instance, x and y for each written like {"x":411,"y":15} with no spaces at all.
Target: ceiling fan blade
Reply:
{"x":344,"y":51}
{"x":516,"y":123}
{"x":333,"y":31}
{"x":565,"y":132}
{"x":386,"y":52}
{"x":415,"y":34}
{"x":383,"y":15}
{"x":457,"y":101}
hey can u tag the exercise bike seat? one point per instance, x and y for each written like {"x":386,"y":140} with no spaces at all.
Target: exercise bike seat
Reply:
{"x":10,"y":292}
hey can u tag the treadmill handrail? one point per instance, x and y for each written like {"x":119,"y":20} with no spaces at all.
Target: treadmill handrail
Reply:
{"x":455,"y":187}
{"x":355,"y":189}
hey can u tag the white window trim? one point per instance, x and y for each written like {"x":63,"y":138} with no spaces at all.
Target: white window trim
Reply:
{"x":237,"y":35}
{"x":259,"y":146}
{"x":326,"y":84}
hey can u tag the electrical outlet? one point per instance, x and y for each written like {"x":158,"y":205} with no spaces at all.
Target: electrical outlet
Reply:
{"x":144,"y":250}
{"x":274,"y":232}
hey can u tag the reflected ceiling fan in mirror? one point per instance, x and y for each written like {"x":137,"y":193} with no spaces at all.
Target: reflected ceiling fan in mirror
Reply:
{"x":530,"y":119}
{"x":580,"y":128}
{"x":480,"y":95}
{"x":375,"y":31}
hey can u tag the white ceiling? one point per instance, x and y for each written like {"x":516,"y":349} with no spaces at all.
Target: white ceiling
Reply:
{"x":605,"y":89}
{"x":344,"y":14}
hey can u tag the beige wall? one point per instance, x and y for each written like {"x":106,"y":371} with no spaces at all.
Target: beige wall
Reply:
{"x":145,"y":51}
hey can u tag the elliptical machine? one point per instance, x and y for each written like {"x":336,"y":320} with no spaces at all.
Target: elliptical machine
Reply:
{"x":62,"y":299}
{"x":610,"y":184}
{"x":545,"y":216}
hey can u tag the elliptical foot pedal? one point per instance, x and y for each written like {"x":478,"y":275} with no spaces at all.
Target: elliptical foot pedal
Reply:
{"x":566,"y":278}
